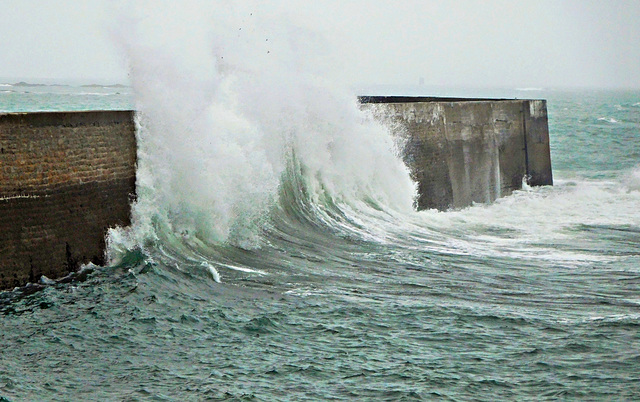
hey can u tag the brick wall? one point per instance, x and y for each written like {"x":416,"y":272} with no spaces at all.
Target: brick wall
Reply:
{"x":65,"y":178}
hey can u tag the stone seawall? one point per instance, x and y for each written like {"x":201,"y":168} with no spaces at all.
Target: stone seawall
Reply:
{"x":464,"y":151}
{"x":65,"y":178}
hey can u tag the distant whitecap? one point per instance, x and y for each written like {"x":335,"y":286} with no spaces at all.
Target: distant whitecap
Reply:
{"x":608,"y":120}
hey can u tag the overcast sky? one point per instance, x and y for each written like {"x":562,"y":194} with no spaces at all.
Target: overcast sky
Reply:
{"x":486,"y":43}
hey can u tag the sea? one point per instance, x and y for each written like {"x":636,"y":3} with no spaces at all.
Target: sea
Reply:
{"x":275,"y":255}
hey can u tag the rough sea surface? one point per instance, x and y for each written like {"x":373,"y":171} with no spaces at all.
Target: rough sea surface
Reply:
{"x":535,"y":297}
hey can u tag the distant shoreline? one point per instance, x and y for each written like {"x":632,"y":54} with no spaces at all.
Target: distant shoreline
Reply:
{"x":31,"y":85}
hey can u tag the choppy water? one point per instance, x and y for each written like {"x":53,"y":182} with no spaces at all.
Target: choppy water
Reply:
{"x":534,"y":297}
{"x":62,"y":97}
{"x":274,"y":253}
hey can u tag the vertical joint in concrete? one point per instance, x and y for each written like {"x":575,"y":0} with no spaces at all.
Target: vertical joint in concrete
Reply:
{"x":538,"y":154}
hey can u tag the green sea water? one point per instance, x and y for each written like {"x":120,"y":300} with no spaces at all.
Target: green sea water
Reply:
{"x":62,"y":97}
{"x":535,"y":297}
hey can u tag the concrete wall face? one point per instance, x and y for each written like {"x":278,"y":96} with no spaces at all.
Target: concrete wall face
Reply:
{"x":65,"y":178}
{"x":538,"y":152}
{"x":464,"y":152}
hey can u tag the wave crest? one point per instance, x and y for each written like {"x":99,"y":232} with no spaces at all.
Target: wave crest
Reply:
{"x":221,"y":115}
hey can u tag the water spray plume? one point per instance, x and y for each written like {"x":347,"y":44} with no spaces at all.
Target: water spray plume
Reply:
{"x":225,"y":95}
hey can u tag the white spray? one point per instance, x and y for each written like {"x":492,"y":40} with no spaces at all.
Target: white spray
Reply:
{"x":224,"y":93}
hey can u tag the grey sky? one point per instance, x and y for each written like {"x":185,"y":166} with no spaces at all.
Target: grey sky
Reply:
{"x":451,"y":43}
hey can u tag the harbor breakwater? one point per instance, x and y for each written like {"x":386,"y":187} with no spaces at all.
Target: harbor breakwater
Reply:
{"x":67,"y":177}
{"x":462,"y":151}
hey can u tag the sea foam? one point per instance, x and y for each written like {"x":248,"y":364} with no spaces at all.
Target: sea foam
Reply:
{"x":226,"y":95}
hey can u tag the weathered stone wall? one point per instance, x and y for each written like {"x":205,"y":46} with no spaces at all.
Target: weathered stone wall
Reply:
{"x":461,"y":151}
{"x":65,"y":178}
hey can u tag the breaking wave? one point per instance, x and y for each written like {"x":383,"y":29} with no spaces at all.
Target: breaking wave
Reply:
{"x":241,"y":127}
{"x":248,"y":138}
{"x":608,"y":120}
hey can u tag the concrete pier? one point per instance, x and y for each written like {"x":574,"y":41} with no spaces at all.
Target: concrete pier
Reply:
{"x":464,"y":151}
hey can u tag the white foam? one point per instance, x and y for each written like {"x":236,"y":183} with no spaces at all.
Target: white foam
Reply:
{"x":632,"y":180}
{"x":244,"y":269}
{"x":23,"y":196}
{"x":608,"y":119}
{"x":212,"y":271}
{"x":94,"y":93}
{"x":529,"y":223}
{"x":46,"y":281}
{"x":226,"y":94}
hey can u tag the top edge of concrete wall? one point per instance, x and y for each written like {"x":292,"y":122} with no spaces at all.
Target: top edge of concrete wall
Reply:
{"x":418,"y":99}
{"x":67,"y":118}
{"x":361,"y":99}
{"x":61,"y":112}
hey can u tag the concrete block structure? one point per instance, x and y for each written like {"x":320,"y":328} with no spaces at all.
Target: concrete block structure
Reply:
{"x":65,"y":178}
{"x":464,"y":151}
